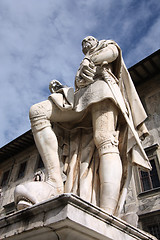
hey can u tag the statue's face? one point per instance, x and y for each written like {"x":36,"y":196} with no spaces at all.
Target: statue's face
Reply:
{"x":88,"y":43}
{"x":54,"y":85}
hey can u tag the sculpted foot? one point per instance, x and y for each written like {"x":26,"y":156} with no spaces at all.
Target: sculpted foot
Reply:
{"x":58,"y":189}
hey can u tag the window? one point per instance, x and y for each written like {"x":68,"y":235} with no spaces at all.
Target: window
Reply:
{"x":22,"y":169}
{"x":151,"y":224}
{"x":5,"y":178}
{"x":150,"y":179}
{"x":154,"y":230}
{"x":10,"y":208}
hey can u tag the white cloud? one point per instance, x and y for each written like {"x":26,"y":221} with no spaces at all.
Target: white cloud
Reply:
{"x":148,"y":44}
{"x":41,"y":41}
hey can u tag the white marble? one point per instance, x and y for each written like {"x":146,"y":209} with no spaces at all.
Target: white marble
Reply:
{"x":96,"y":165}
{"x":67,"y":217}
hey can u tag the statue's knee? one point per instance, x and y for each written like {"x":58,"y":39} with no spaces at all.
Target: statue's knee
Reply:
{"x":99,"y":137}
{"x":35,"y":111}
{"x":38,"y":117}
{"x":106,"y":141}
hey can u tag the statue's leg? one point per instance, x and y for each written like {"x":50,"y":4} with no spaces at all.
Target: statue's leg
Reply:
{"x":41,"y":116}
{"x":104,"y":117}
{"x":46,"y":142}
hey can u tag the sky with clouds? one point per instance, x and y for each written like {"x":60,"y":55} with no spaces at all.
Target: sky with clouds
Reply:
{"x":40,"y":40}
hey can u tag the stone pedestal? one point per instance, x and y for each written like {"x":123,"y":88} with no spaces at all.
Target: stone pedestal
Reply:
{"x":67,"y":217}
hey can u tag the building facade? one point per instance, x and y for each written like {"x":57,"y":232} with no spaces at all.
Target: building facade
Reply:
{"x":20,"y":160}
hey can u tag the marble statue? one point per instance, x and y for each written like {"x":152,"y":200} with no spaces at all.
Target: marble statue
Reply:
{"x":89,"y":138}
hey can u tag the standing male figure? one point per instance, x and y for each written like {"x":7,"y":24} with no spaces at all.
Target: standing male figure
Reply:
{"x":93,"y":96}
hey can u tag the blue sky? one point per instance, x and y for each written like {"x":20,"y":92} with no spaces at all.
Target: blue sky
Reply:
{"x":40,"y":40}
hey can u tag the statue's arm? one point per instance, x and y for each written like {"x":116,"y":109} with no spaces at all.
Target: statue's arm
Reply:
{"x":109,"y":54}
{"x":86,"y":72}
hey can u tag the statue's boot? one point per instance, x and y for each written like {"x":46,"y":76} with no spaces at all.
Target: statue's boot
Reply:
{"x":110,"y":172}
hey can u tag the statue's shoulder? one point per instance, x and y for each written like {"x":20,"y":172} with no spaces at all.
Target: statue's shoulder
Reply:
{"x":105,"y":43}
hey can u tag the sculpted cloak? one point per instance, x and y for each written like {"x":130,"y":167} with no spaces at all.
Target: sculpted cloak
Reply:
{"x":78,"y":153}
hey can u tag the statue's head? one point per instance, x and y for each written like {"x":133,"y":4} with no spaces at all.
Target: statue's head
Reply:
{"x":55,"y":85}
{"x":88,"y":43}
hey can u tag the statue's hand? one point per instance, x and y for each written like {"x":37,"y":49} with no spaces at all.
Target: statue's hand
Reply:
{"x":55,"y":85}
{"x":87,"y":70}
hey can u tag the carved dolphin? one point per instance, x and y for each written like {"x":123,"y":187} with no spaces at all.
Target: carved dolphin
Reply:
{"x":31,"y":193}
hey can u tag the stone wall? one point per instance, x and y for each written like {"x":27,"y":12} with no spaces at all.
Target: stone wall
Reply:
{"x":149,"y":93}
{"x":31,"y":156}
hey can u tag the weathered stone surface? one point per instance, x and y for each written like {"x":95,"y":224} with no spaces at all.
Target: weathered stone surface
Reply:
{"x":96,"y":166}
{"x":67,"y":217}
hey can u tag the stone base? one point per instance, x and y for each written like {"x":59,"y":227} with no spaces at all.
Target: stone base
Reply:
{"x":67,"y":217}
